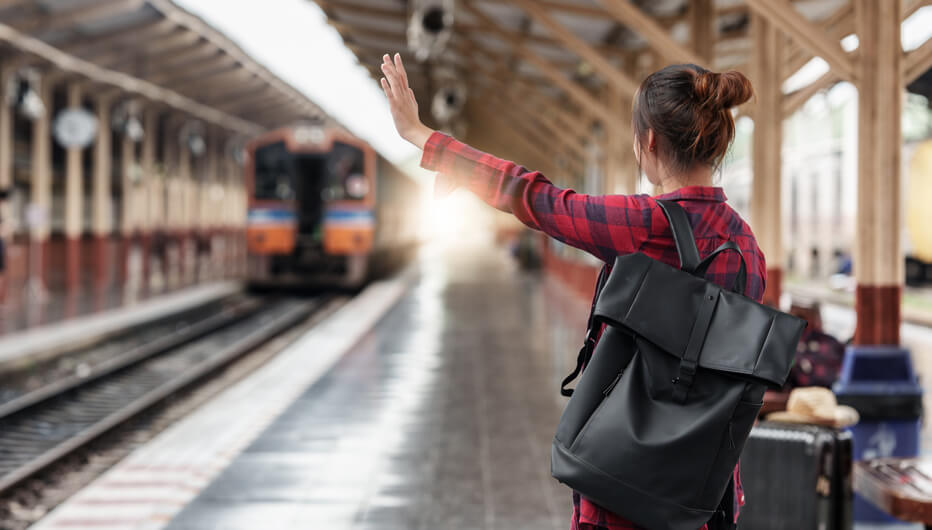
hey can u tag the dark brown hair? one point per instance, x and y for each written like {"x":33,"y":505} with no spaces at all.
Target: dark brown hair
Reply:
{"x":689,"y":110}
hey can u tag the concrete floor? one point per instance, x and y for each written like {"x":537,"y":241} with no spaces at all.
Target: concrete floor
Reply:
{"x":441,"y":417}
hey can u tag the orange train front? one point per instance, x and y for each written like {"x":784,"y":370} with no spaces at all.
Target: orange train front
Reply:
{"x":325,"y":209}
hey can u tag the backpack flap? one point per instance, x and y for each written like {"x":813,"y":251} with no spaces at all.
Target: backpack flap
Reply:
{"x":670,"y":308}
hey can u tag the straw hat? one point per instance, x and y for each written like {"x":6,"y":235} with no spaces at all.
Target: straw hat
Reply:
{"x":815,"y":405}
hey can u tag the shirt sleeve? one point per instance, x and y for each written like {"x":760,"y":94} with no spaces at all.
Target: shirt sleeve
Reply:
{"x":605,"y":226}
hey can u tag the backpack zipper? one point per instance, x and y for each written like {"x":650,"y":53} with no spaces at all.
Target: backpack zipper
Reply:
{"x":608,"y":389}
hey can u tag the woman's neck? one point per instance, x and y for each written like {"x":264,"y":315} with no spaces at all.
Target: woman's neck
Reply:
{"x":697,"y":176}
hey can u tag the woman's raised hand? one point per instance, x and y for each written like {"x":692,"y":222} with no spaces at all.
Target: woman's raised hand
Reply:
{"x":402,"y":102}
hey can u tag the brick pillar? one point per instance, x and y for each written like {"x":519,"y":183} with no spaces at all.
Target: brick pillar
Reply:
{"x":74,"y":197}
{"x":101,"y":199}
{"x":40,"y":190}
{"x":878,"y":263}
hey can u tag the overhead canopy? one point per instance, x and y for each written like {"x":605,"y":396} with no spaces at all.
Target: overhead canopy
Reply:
{"x":154,"y":49}
{"x":572,"y":56}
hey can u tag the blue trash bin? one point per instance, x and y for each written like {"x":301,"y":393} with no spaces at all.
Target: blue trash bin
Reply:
{"x":879,"y":382}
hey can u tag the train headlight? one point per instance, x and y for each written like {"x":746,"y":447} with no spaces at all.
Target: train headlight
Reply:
{"x":356,"y":186}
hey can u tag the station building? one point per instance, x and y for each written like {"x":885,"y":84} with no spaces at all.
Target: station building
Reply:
{"x":121,"y":147}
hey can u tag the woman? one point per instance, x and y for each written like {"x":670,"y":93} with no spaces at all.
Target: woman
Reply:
{"x":682,"y":128}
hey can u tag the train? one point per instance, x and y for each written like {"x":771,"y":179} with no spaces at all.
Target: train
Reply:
{"x":918,"y":215}
{"x":325,"y":210}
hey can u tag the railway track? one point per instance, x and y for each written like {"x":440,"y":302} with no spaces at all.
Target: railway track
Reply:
{"x":42,"y":426}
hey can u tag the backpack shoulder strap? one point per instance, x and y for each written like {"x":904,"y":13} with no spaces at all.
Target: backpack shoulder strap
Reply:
{"x":741,"y":279}
{"x":591,"y":331}
{"x":682,"y":234}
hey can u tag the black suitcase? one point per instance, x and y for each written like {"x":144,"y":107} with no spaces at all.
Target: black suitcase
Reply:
{"x":796,"y":477}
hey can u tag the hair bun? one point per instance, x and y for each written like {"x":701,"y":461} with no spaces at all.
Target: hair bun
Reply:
{"x":722,"y":91}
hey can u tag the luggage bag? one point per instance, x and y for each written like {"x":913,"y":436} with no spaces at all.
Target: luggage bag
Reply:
{"x":796,"y":477}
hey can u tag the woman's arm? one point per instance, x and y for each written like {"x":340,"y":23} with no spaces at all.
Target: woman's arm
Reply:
{"x":605,"y":226}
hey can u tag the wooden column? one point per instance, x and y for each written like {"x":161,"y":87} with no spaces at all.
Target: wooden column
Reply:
{"x":209,"y":203}
{"x":40,"y":191}
{"x":148,"y":190}
{"x":40,"y":186}
{"x":702,"y":28}
{"x":766,"y":219}
{"x":101,"y":200}
{"x":172,"y":211}
{"x":6,"y":138}
{"x":619,"y":173}
{"x":152,"y":182}
{"x":878,"y":259}
{"x":172,"y":207}
{"x":101,"y":197}
{"x":186,"y":253}
{"x":6,"y":178}
{"x":74,"y":189}
{"x":74,"y":199}
{"x":129,"y":214}
{"x":184,"y":179}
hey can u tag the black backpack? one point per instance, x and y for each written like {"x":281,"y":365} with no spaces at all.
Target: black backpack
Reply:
{"x":658,"y":419}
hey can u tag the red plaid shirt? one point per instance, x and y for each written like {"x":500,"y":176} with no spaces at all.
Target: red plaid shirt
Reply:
{"x":605,"y":226}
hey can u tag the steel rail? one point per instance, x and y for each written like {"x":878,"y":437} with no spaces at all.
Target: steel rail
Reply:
{"x":200,"y":368}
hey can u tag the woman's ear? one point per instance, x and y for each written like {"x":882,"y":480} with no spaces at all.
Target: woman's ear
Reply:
{"x":651,"y":141}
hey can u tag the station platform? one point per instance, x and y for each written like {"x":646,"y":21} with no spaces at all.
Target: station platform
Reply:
{"x":23,"y":345}
{"x":124,"y":276}
{"x":428,"y":401}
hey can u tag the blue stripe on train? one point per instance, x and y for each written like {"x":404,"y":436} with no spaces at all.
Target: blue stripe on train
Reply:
{"x":268,"y":215}
{"x":349,"y":216}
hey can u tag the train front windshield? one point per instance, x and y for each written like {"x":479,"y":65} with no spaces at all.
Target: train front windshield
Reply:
{"x":309,"y":181}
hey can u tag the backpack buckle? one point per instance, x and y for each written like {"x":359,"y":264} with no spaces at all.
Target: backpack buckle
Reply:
{"x":684,"y":380}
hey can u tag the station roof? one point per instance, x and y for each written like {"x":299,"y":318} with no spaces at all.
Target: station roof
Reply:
{"x":156,"y":50}
{"x":568,"y":51}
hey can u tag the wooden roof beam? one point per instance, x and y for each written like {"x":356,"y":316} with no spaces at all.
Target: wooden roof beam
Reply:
{"x":573,"y":89}
{"x":808,"y":35}
{"x":615,"y":77}
{"x":363,"y":9}
{"x":702,"y":29}
{"x":547,"y":41}
{"x":182,"y":18}
{"x":166,"y":46}
{"x":283,"y":107}
{"x":503,"y":63}
{"x":529,"y":94}
{"x":917,"y":62}
{"x":123,"y":81}
{"x":522,"y":135}
{"x":533,"y":81}
{"x":85,"y":46}
{"x":542,"y":146}
{"x":631,"y":16}
{"x":504,"y":91}
{"x":194,"y":76}
{"x":232,"y":90}
{"x":378,"y":33}
{"x":794,"y":100}
{"x":249,"y":102}
{"x":192,"y":56}
{"x":202,"y":83}
{"x":837,"y":26}
{"x":83,"y":13}
{"x":238,"y":94}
